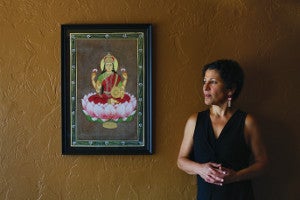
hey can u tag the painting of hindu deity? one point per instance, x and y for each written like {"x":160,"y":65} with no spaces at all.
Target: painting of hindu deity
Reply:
{"x":110,"y":104}
{"x":107,"y":89}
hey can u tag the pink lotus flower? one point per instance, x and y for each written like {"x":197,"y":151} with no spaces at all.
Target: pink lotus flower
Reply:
{"x":107,"y":111}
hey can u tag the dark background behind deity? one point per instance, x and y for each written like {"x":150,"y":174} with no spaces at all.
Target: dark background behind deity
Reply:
{"x":89,"y":55}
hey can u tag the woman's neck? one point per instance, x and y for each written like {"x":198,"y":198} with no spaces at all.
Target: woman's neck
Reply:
{"x":221,"y":111}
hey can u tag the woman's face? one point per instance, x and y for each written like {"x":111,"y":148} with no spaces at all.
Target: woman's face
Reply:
{"x":109,"y":67}
{"x":214,"y":89}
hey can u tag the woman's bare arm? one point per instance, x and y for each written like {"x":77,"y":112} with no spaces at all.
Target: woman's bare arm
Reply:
{"x":183,"y":161}
{"x":210,"y":172}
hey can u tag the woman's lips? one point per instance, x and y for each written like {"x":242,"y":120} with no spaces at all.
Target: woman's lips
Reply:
{"x":207,"y":95}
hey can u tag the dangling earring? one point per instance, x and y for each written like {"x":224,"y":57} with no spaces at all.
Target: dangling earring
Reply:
{"x":229,"y":101}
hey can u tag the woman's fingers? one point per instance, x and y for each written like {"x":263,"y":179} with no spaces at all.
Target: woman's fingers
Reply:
{"x":214,"y":180}
{"x":213,"y":174}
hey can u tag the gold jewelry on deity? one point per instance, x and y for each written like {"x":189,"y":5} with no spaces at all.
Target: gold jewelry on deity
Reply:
{"x":109,"y":59}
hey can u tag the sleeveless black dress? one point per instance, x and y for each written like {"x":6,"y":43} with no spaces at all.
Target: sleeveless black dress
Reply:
{"x":229,"y":149}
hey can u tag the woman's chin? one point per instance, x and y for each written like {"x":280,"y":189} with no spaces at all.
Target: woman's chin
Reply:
{"x":208,"y":103}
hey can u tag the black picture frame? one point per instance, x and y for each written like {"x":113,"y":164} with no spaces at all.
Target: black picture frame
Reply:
{"x":96,"y":119}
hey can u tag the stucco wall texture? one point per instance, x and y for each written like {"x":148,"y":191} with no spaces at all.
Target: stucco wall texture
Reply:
{"x":263,"y":35}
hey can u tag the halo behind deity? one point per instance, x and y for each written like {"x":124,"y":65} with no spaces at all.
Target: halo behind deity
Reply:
{"x":111,"y":59}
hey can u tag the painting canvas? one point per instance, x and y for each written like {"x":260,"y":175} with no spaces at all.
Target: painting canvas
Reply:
{"x":106,"y":89}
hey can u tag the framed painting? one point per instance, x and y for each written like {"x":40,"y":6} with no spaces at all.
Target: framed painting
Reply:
{"x":106,"y":89}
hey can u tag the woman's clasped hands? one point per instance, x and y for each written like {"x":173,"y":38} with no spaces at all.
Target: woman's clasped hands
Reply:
{"x":215,"y":173}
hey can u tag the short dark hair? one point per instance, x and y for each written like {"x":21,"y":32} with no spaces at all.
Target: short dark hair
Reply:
{"x":231,"y":73}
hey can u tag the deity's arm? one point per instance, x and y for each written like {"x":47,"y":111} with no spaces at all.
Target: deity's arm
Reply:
{"x":96,"y":84}
{"x":124,"y":82}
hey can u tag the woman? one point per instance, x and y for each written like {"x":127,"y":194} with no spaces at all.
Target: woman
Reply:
{"x":219,"y":142}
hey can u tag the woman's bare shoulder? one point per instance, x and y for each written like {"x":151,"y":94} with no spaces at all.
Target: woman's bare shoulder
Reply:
{"x":250,"y":120}
{"x":192,"y":118}
{"x":191,"y":123}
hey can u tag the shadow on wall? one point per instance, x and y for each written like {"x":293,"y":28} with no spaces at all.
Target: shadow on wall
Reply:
{"x":272,"y":94}
{"x":281,"y":178}
{"x":268,"y":95}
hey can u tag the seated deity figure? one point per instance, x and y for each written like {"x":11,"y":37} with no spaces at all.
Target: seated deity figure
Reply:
{"x":109,"y":85}
{"x":109,"y":104}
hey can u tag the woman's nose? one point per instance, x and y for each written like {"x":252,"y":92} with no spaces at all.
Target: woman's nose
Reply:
{"x":205,"y":86}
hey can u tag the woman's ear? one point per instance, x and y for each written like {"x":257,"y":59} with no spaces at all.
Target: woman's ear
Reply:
{"x":230,"y":92}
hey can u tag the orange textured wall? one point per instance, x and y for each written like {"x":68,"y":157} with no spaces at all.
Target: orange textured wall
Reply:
{"x":262,"y":35}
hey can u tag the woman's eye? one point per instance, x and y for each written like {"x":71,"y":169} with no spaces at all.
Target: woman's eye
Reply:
{"x":209,"y":82}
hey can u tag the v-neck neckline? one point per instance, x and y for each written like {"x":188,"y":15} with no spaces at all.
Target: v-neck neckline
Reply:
{"x":224,"y":128}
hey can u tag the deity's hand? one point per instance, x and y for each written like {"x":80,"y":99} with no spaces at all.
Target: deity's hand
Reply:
{"x":94,"y":74}
{"x":95,"y":84}
{"x":125,"y":76}
{"x":124,"y":73}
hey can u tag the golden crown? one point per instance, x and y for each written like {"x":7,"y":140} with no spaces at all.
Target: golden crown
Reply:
{"x":109,"y":58}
